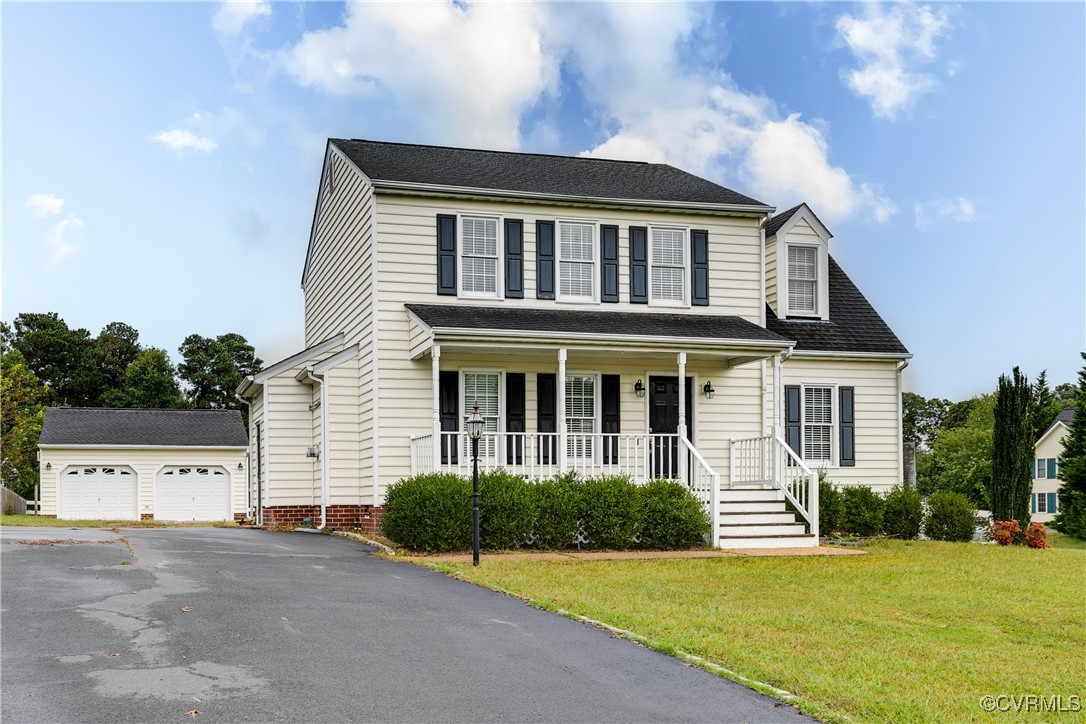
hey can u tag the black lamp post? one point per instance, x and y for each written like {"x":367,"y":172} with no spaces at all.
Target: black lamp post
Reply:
{"x":475,"y":431}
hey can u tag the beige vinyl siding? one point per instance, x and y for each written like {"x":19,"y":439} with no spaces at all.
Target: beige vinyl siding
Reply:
{"x":735,"y":411}
{"x":290,"y":427}
{"x":771,"y":276}
{"x":146,"y":462}
{"x":878,"y":448}
{"x":803,"y":232}
{"x":256,"y":414}
{"x":337,"y":289}
{"x":341,"y":395}
{"x":1049,"y":446}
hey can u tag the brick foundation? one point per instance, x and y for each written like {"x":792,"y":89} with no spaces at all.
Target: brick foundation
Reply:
{"x":147,"y":516}
{"x":239,"y":517}
{"x":363,"y":517}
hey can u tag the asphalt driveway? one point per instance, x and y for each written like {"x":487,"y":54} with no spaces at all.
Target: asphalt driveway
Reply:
{"x":245,"y":625}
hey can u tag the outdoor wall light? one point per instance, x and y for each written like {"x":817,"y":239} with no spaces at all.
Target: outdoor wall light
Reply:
{"x":49,"y":466}
{"x":708,"y":390}
{"x":639,"y":388}
{"x":240,"y":466}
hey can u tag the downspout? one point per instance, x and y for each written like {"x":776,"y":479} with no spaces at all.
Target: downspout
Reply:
{"x":248,"y":463}
{"x":310,"y":377}
{"x":900,"y":423}
{"x":761,"y":306}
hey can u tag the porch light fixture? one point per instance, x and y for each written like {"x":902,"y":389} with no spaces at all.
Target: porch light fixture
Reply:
{"x":49,"y":466}
{"x":639,"y":388}
{"x":708,"y":390}
{"x":475,"y":431}
{"x":240,"y":466}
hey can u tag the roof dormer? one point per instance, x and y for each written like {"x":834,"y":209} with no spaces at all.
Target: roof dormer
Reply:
{"x":797,"y":265}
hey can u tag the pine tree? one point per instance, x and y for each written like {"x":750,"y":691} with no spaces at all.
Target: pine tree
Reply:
{"x":1045,"y":406}
{"x":1012,"y":448}
{"x":1072,"y":516}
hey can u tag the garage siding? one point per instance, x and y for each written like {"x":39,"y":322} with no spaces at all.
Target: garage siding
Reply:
{"x":146,"y":462}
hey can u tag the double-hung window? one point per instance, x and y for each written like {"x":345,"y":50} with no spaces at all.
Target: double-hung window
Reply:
{"x":818,"y":424}
{"x":1041,"y":471}
{"x":667,"y":264}
{"x":577,"y":261}
{"x":802,"y":279}
{"x":480,"y":257}
{"x":580,"y":414}
{"x":1042,"y":503}
{"x":484,"y":389}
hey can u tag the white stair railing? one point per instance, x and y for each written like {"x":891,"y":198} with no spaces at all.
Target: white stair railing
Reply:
{"x":768,"y":460}
{"x":702,"y":480}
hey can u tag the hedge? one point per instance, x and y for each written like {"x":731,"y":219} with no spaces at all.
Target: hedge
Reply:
{"x":950,"y":517}
{"x":903,"y":513}
{"x":861,"y":511}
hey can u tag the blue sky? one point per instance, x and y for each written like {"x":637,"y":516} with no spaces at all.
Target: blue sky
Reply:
{"x":160,"y":161}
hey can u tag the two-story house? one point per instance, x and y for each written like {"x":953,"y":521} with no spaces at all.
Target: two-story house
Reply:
{"x":605,"y":316}
{"x":1044,"y":500}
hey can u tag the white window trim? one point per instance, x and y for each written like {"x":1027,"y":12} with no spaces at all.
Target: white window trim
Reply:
{"x":835,"y":426}
{"x":1040,"y":468}
{"x":566,"y":298}
{"x":821,"y":285}
{"x":465,"y":410}
{"x":499,"y":272}
{"x":685,"y":303}
{"x":1041,"y":502}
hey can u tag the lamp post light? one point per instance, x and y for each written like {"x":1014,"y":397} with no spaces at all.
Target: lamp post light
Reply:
{"x":475,"y":431}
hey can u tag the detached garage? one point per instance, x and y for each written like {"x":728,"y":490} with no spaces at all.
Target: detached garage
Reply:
{"x":172,"y":465}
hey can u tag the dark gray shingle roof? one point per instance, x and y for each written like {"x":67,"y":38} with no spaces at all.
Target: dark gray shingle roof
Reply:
{"x":853,"y":326}
{"x":1065,"y":416}
{"x":778,"y":220}
{"x":619,"y":324}
{"x":534,"y":173}
{"x":108,"y":426}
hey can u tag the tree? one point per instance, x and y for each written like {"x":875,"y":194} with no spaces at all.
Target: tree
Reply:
{"x":116,"y":347}
{"x":212,"y":368}
{"x":957,"y":414}
{"x":1012,"y":448}
{"x":921,"y":418}
{"x":1067,"y":394}
{"x":960,"y":460}
{"x":22,"y":408}
{"x":1072,"y":516}
{"x":62,"y":358}
{"x":1045,"y":406}
{"x":149,"y":382}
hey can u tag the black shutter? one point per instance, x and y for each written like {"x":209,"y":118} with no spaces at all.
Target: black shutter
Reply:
{"x":848,"y":426}
{"x":514,"y":259}
{"x":639,"y":265}
{"x":449,"y":413}
{"x":610,"y":404}
{"x":699,"y":268}
{"x":608,"y":263}
{"x":514,"y":417}
{"x":446,"y":254}
{"x":547,"y":415}
{"x":544,"y":260}
{"x":792,"y":411}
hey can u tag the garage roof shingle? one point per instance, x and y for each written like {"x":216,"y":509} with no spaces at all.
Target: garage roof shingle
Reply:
{"x":168,"y":428}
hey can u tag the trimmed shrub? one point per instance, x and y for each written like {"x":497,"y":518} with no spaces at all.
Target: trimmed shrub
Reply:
{"x":1006,"y":532}
{"x":671,"y":516}
{"x":556,"y":503}
{"x":829,"y":505}
{"x":861,"y":511}
{"x":430,"y":512}
{"x":903,"y":512}
{"x":506,"y":510}
{"x":1036,"y":536}
{"x":950,"y":517}
{"x":607,"y":508}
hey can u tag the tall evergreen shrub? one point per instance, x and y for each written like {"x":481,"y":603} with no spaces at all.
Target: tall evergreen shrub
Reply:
{"x":1012,"y":448}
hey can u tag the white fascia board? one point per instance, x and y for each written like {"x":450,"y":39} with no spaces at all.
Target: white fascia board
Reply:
{"x":624,"y":340}
{"x":246,"y":384}
{"x":321,"y":348}
{"x":444,"y":190}
{"x":329,"y":150}
{"x":1055,"y":426}
{"x":335,"y":360}
{"x":74,"y":446}
{"x":804,"y":212}
{"x":824,"y":354}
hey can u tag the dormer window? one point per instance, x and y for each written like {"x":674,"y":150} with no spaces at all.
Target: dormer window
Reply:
{"x":803,"y":279}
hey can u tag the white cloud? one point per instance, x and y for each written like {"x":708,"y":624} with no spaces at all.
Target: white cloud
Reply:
{"x":44,"y":204}
{"x":233,"y":15}
{"x":890,"y":43}
{"x":959,"y":209}
{"x":58,"y":240}
{"x":180,"y":139}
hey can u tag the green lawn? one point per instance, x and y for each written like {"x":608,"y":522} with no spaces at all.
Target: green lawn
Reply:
{"x":914,"y":631}
{"x":39,"y":521}
{"x":1059,"y":540}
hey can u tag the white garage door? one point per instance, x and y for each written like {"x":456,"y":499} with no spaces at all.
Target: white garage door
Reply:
{"x":99,"y":492}
{"x":192,"y":493}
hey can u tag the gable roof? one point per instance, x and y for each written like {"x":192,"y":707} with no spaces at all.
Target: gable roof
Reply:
{"x":77,"y":426}
{"x":1063,"y":418}
{"x":535,"y":174}
{"x":853,"y":324}
{"x":778,"y":220}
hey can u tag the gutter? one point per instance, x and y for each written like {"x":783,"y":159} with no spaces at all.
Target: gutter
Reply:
{"x":319,"y":381}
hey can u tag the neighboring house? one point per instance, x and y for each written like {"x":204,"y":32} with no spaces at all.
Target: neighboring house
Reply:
{"x":1043,"y":502}
{"x":568,"y":297}
{"x":176,"y":465}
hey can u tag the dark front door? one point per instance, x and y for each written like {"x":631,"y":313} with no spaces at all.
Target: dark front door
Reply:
{"x":664,"y":420}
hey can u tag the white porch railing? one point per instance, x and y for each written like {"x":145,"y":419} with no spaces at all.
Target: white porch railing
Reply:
{"x":768,"y":460}
{"x":703,"y":482}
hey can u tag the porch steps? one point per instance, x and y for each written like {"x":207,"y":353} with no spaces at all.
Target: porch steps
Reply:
{"x":757,"y":517}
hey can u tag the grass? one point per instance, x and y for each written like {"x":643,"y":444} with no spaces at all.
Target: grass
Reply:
{"x":914,"y":631}
{"x":1059,"y":540}
{"x":37,"y":521}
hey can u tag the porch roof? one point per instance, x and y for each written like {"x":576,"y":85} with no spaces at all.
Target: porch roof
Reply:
{"x":578,"y":326}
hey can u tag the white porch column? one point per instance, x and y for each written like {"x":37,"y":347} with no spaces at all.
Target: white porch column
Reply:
{"x":680,"y":447}
{"x":562,"y":409}
{"x":778,"y":395}
{"x":435,"y":375}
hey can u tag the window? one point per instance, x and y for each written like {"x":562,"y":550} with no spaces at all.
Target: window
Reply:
{"x":803,"y":279}
{"x":1042,"y":503}
{"x":580,"y":414}
{"x":818,"y":424}
{"x":1039,"y":473}
{"x":482,"y":388}
{"x":667,"y":264}
{"x":1046,"y":469}
{"x":479,"y":257}
{"x":577,"y":261}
